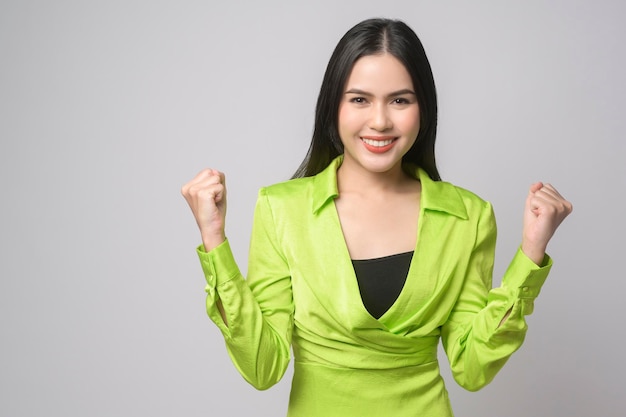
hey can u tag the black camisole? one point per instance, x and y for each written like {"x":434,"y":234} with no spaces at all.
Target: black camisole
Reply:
{"x":381,"y":280}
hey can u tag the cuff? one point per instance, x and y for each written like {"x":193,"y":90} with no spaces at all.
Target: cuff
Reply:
{"x":218,"y":265}
{"x":524,"y":279}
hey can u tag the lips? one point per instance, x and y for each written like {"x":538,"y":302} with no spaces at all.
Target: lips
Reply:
{"x":378,"y":144}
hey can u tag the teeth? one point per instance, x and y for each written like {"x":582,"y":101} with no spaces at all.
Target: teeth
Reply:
{"x":377,"y":143}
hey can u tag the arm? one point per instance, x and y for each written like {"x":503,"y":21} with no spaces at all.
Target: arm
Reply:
{"x":487,"y":325}
{"x":254,"y":316}
{"x":477,"y":338}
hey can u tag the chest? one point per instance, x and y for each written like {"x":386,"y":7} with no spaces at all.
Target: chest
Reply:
{"x":325,"y":288}
{"x":373,"y":228}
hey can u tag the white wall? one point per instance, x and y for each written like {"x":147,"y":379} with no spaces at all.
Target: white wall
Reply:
{"x":107,"y":108}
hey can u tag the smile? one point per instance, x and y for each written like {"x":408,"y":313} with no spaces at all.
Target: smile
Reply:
{"x":378,"y":142}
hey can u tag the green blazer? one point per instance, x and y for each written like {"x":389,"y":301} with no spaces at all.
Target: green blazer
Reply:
{"x":301,"y":294}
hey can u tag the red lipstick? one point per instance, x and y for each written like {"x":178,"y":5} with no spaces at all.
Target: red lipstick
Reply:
{"x":378,"y":144}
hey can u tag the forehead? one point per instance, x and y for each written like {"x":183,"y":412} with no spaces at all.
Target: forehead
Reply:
{"x":379,"y":73}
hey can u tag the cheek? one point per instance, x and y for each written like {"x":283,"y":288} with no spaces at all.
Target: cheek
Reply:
{"x":348,"y":120}
{"x":410,"y":122}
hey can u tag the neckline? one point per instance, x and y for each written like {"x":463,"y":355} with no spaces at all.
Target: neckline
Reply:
{"x":386,"y":257}
{"x":406,"y":289}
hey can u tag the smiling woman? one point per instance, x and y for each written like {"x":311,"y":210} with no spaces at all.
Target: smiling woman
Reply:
{"x":365,"y":260}
{"x":356,"y":49}
{"x":379,"y":117}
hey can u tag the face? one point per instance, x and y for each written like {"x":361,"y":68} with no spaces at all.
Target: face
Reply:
{"x":379,"y":116}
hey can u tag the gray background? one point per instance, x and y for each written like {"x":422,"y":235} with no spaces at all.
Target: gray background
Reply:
{"x":107,"y":108}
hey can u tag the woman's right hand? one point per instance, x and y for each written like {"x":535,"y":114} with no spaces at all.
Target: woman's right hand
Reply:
{"x":206,"y":196}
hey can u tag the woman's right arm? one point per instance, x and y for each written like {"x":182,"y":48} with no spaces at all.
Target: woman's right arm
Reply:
{"x":206,"y":196}
{"x":255,"y":315}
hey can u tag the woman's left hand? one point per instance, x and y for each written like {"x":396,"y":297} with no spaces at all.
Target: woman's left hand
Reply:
{"x":545,"y":210}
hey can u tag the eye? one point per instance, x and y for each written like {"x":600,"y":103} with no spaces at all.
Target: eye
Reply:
{"x":401,"y":100}
{"x":357,"y":100}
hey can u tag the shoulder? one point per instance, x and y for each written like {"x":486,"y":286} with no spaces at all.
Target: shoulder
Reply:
{"x":288,"y":189}
{"x":288,"y":203}
{"x":314,"y":191}
{"x":467,"y":207}
{"x":469,"y":197}
{"x":479,"y":211}
{"x":290,"y":196}
{"x":453,"y":199}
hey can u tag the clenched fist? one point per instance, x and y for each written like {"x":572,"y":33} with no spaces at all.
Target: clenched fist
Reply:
{"x":544,"y":211}
{"x":206,"y":196}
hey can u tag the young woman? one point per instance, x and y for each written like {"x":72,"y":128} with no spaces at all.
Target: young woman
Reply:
{"x":365,"y":259}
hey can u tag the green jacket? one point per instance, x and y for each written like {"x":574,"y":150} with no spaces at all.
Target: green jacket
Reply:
{"x":301,"y":293}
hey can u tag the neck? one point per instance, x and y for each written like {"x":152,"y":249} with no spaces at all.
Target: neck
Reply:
{"x":354,"y":178}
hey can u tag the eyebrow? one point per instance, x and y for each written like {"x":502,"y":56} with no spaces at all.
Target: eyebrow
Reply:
{"x":393,"y":94}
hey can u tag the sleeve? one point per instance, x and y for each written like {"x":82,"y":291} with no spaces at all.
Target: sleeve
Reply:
{"x":259,"y":310}
{"x":476,"y":339}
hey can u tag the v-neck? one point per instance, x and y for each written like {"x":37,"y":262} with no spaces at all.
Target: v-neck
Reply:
{"x":334,"y":284}
{"x":352,"y":281}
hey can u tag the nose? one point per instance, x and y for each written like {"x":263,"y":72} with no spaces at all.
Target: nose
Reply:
{"x":379,"y":118}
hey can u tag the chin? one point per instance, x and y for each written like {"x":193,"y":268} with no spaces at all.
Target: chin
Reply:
{"x":381,"y":166}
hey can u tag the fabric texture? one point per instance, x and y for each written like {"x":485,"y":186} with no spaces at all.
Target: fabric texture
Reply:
{"x":301,"y":294}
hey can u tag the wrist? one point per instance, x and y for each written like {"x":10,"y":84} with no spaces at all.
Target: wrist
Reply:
{"x":212,"y":240}
{"x":534,"y":252}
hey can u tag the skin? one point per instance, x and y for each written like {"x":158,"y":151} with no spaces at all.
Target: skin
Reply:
{"x":378,"y":203}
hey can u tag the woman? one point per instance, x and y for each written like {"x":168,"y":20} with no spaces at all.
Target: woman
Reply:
{"x":366,"y":259}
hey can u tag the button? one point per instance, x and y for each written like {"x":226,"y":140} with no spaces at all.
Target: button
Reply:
{"x":525,"y":289}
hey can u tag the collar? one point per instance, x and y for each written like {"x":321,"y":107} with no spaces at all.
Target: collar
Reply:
{"x":436,"y":195}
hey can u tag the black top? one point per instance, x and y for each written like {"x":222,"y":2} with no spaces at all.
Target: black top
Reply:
{"x":381,"y":280}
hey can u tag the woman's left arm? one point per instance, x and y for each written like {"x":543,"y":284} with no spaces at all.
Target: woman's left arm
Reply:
{"x":486,"y":326}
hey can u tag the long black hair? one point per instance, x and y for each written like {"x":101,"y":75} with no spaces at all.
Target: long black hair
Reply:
{"x":373,"y":37}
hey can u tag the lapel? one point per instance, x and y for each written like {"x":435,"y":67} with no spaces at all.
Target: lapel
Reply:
{"x":334,"y":283}
{"x":436,"y":195}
